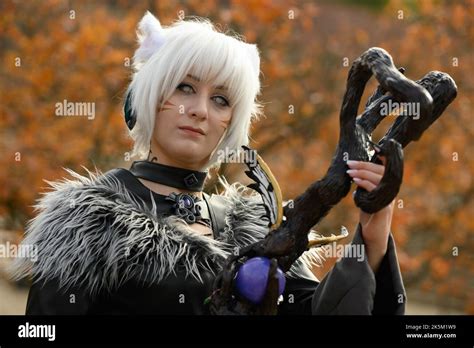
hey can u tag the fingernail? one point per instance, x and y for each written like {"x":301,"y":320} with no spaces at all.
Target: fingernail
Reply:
{"x":351,"y":171}
{"x":350,"y":162}
{"x":357,"y":179}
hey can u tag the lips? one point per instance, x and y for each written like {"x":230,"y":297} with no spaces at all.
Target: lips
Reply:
{"x":196,"y":130}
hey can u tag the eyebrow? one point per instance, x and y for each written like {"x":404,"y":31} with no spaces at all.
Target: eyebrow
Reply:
{"x":198,"y":80}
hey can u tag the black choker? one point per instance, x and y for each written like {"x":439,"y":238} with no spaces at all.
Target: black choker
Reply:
{"x":180,"y":178}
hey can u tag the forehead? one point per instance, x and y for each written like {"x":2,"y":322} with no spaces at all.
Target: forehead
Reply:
{"x":197,"y":79}
{"x":219,"y":72}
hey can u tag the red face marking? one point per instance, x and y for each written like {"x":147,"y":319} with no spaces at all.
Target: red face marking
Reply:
{"x":167,"y":106}
{"x":225,"y":123}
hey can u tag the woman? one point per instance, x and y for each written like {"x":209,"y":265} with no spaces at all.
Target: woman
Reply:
{"x":148,"y":240}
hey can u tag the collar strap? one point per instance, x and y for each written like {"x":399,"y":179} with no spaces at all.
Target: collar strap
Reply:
{"x":180,"y":178}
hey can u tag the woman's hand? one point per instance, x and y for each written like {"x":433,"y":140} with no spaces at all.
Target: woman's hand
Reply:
{"x":375,"y":227}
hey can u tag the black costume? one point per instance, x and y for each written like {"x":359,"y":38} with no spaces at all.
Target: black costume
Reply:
{"x":109,"y":245}
{"x":106,"y":244}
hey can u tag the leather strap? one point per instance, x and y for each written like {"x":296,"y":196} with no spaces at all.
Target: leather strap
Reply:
{"x":217,"y":211}
{"x":181,"y":178}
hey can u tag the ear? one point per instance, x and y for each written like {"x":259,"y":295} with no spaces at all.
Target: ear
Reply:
{"x":150,"y":38}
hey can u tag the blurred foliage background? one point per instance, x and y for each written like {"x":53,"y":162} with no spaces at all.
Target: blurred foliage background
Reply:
{"x":80,"y":51}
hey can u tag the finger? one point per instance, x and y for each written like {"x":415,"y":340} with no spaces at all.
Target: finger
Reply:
{"x":377,"y":168}
{"x":373,"y":167}
{"x":365,"y":184}
{"x":365,"y":175}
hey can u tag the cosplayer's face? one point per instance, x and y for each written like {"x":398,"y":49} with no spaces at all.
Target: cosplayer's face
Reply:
{"x":191,"y":123}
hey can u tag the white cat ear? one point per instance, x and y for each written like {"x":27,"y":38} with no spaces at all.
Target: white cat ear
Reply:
{"x":150,"y":38}
{"x":254,"y":58}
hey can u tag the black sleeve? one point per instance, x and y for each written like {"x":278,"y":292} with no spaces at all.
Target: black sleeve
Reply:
{"x":390,"y":295}
{"x":46,"y":298}
{"x":351,"y":287}
{"x":297,"y":296}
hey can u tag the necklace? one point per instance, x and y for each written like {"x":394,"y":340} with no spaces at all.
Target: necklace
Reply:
{"x":186,"y":206}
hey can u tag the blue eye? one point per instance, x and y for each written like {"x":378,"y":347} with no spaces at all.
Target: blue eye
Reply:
{"x":223,"y":102}
{"x":182,"y":87}
{"x":220,"y":100}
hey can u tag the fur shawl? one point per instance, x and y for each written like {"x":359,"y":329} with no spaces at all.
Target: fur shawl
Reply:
{"x":92,"y":232}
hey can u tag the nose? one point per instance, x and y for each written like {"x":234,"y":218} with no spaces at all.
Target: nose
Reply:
{"x":199,"y":107}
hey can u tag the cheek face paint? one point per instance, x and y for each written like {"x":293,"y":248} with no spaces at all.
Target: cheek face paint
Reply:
{"x":167,"y":106}
{"x":225,"y":123}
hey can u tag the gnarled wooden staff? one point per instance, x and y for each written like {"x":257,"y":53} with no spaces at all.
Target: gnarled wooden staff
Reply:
{"x":289,"y":239}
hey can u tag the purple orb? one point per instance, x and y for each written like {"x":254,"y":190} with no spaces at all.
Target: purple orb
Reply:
{"x":187,"y":201}
{"x":252,"y":277}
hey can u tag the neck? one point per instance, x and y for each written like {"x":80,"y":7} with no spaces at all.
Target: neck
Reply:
{"x":165,"y":179}
{"x":157,"y":156}
{"x":166,"y":190}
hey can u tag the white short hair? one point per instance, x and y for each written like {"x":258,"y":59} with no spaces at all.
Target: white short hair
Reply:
{"x":194,"y":47}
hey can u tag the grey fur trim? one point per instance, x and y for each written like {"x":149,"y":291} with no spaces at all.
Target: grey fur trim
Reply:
{"x":92,"y":232}
{"x":247,"y":217}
